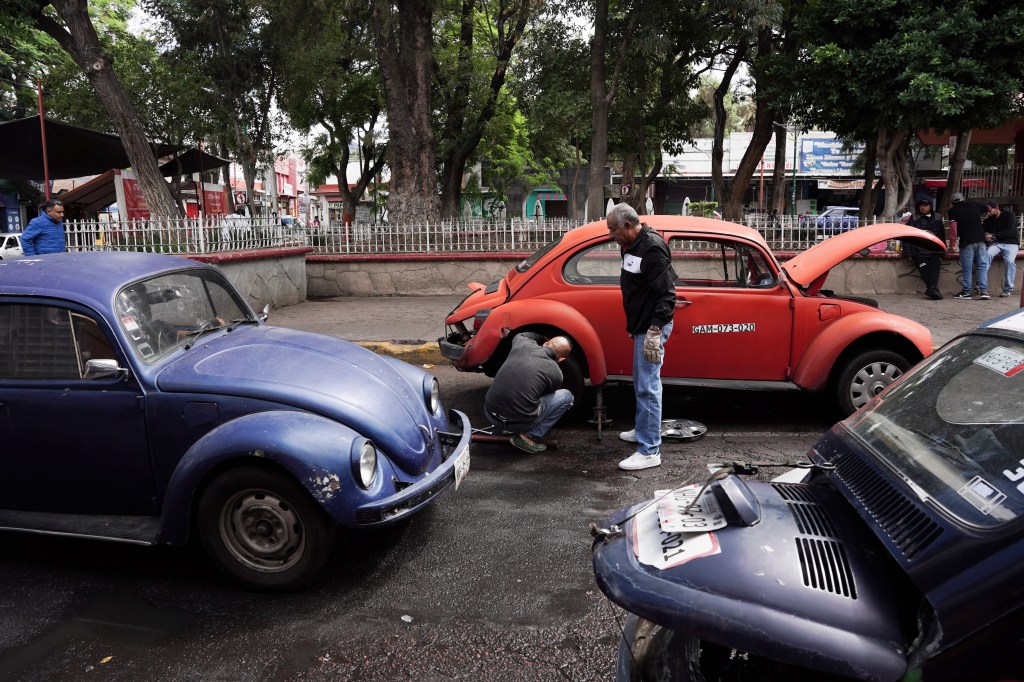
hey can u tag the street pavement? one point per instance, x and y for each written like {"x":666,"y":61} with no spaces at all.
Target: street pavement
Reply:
{"x":408,"y":326}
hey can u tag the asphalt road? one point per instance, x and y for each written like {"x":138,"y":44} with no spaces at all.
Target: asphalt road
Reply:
{"x":493,"y":582}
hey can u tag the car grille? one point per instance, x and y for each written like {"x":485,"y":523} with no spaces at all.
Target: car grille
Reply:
{"x":823,"y":560}
{"x":492,"y":287}
{"x":909,"y":528}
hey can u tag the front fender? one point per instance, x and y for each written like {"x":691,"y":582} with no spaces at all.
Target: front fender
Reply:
{"x":534,"y":311}
{"x":815,"y":366}
{"x":311,"y":448}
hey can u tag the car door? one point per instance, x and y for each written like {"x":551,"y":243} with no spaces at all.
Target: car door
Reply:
{"x":733,"y":318}
{"x":70,"y":444}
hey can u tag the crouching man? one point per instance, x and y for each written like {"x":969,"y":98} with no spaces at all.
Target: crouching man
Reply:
{"x":525,"y":398}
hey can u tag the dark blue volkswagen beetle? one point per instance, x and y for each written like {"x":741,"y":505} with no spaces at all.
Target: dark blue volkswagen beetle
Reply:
{"x":141,"y":397}
{"x":898,"y":558}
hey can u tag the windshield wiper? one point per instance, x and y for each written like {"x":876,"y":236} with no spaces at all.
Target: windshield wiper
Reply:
{"x":240,"y":321}
{"x":210,"y":325}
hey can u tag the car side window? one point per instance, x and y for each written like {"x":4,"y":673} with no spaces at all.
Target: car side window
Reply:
{"x":596,"y":265}
{"x":47,"y":342}
{"x":719,"y":263}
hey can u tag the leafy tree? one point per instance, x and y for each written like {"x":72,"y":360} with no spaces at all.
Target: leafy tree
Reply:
{"x":905,"y":65}
{"x":70,"y":25}
{"x":329,"y":81}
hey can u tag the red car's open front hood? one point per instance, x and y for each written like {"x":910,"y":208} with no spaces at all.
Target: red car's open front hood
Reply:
{"x":808,"y":266}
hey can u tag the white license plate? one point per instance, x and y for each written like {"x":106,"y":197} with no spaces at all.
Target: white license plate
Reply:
{"x":705,"y":515}
{"x":461,"y":467}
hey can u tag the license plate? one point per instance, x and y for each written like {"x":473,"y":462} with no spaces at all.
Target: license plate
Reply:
{"x":703,"y":516}
{"x":461,"y":467}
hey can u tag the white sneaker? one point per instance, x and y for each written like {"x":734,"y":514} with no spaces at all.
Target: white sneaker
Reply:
{"x":628,"y":436}
{"x":639,"y":460}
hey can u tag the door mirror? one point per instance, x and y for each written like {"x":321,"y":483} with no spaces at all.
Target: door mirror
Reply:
{"x":103,"y":369}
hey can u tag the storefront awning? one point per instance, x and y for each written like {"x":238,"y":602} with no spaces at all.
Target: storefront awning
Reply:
{"x":939,"y":183}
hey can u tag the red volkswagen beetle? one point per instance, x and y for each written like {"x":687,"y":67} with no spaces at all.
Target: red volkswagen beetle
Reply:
{"x":742,"y":319}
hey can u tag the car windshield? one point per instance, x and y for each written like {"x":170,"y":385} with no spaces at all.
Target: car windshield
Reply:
{"x":954,"y":429}
{"x":161,"y":314}
{"x":527,"y":263}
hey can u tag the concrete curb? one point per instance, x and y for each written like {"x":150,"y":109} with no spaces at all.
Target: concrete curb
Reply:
{"x":423,"y":354}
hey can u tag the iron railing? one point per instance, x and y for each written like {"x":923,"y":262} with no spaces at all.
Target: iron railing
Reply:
{"x":206,"y":236}
{"x":993,"y":182}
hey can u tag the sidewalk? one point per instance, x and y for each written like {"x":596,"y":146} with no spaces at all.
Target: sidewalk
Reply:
{"x":408,"y":326}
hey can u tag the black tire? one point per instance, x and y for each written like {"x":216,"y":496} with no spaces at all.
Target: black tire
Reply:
{"x":263,"y":529}
{"x":865,"y":375}
{"x":574,"y":381}
{"x":667,"y":656}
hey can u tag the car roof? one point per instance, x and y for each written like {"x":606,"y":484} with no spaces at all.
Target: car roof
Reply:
{"x":678,"y":222}
{"x":1012,"y":321}
{"x":91,"y":275}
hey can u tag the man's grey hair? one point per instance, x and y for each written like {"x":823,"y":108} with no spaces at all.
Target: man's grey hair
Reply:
{"x":622,"y":214}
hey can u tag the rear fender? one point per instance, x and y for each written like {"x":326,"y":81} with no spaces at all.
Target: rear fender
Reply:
{"x":537,"y":312}
{"x":815,"y":366}
{"x":312,"y":449}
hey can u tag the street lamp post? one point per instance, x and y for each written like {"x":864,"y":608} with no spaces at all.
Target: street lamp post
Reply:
{"x":796,"y":137}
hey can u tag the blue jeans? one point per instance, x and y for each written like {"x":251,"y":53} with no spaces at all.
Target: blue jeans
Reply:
{"x":974,"y":255}
{"x":552,"y":407}
{"x":647,"y":387}
{"x":1009,"y":252}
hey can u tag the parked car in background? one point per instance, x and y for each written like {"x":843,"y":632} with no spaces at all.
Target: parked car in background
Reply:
{"x":836,"y":219}
{"x":142,"y":400}
{"x":10,"y":245}
{"x":742,"y":320}
{"x":897,"y":555}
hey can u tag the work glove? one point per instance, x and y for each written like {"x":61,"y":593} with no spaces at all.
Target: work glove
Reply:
{"x":652,"y":345}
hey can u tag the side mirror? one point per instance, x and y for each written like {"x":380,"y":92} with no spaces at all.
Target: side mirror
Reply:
{"x":103,"y":369}
{"x":265,"y":314}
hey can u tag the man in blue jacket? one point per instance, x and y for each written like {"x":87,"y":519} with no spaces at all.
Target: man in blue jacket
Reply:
{"x":45,"y":232}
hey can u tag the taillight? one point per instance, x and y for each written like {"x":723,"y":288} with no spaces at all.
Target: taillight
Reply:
{"x":480,"y":318}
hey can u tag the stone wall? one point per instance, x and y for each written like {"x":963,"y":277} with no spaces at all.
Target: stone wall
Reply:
{"x":330,"y":276}
{"x":275,"y":277}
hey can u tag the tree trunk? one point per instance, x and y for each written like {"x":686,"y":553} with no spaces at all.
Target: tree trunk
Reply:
{"x":79,"y":39}
{"x":718,"y":181}
{"x":779,"y":171}
{"x":646,"y":182}
{"x":888,"y":143}
{"x":405,"y":55}
{"x":869,"y":195}
{"x":956,"y":170}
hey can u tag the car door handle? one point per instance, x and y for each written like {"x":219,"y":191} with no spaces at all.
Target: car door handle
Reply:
{"x":680,"y":302}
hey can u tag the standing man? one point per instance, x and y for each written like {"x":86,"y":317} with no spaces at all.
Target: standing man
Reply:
{"x":929,"y":263}
{"x":525,"y":397}
{"x":1001,"y":234}
{"x":648,"y":297}
{"x":45,"y":232}
{"x":973,"y":251}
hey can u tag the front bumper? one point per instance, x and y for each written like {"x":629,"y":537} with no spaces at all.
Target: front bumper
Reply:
{"x":451,"y":347}
{"x":409,"y":500}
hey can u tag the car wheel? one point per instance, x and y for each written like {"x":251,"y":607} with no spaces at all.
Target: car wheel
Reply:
{"x":264,"y":529}
{"x":865,"y":376}
{"x":574,"y":381}
{"x":666,"y":656}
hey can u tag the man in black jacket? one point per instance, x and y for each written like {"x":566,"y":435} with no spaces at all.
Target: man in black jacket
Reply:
{"x":929,"y":262}
{"x":648,"y":296}
{"x":973,"y":251}
{"x":525,"y":398}
{"x":1003,"y":238}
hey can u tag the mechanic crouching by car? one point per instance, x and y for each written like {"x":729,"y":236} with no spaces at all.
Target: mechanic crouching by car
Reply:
{"x":928,"y":262}
{"x":525,"y":398}
{"x":648,"y":297}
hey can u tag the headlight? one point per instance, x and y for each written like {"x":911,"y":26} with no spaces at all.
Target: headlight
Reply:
{"x":364,"y":462}
{"x":431,"y":394}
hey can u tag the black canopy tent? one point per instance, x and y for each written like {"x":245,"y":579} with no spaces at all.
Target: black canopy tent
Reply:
{"x":72,"y":152}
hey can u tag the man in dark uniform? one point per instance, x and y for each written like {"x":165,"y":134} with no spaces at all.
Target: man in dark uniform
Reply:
{"x":525,"y":398}
{"x":648,"y":297}
{"x":928,"y":261}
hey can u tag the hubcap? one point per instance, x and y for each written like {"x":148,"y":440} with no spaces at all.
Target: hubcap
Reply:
{"x":262,"y":531}
{"x":872,"y":380}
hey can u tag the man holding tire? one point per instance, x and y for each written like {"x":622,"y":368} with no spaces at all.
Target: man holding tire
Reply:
{"x":525,"y":398}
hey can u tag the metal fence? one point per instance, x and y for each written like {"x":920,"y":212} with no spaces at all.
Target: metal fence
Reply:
{"x":205,"y":236}
{"x":997,"y":181}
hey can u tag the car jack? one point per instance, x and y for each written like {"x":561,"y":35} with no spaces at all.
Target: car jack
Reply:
{"x":682,"y":430}
{"x":491,"y":434}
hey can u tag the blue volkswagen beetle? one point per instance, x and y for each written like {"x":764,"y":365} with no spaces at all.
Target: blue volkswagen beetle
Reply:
{"x":141,"y":399}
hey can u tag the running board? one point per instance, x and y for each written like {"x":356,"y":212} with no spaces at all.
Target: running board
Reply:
{"x":741,"y":384}
{"x":138,"y":530}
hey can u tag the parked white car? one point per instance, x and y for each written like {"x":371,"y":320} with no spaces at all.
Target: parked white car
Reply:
{"x":10,"y":245}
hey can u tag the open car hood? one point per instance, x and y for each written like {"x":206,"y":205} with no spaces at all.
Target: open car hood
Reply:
{"x":816,"y":261}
